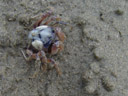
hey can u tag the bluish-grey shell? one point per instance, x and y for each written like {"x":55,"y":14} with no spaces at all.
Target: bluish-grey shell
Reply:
{"x":43,"y":33}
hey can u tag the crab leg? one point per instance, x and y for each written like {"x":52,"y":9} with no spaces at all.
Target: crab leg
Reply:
{"x":42,"y":18}
{"x":24,"y":55}
{"x":45,"y":60}
{"x":60,"y":34}
{"x":56,"y":47}
{"x":52,"y":19}
{"x":30,"y":57}
{"x":55,"y":66}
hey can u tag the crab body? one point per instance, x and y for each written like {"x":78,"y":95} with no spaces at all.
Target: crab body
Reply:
{"x":43,"y":33}
{"x":45,"y":39}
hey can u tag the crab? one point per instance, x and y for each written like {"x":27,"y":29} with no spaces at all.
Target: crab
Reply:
{"x":45,"y":39}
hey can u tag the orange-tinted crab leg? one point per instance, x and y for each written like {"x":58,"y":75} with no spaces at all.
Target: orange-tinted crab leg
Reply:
{"x":30,"y":55}
{"x":60,"y":34}
{"x":45,"y":60}
{"x":56,"y":47}
{"x":52,"y":19}
{"x":42,"y":18}
{"x":55,"y":66}
{"x":61,"y":23}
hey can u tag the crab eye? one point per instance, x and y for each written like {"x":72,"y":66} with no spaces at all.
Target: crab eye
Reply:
{"x":53,"y":31}
{"x":50,"y":38}
{"x":33,"y":40}
{"x":39,"y":36}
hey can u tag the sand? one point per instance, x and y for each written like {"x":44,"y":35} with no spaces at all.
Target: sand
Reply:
{"x":94,"y":61}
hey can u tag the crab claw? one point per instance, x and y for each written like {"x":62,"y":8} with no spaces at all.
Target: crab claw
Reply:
{"x":60,"y":34}
{"x":57,"y":47}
